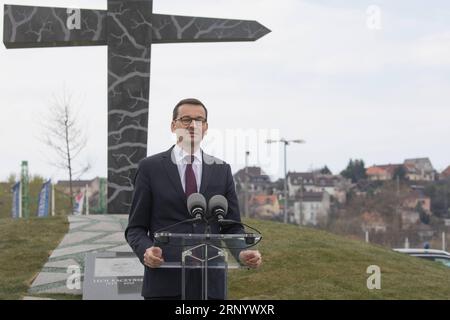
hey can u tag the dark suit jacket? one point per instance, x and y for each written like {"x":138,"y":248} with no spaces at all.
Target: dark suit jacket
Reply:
{"x":159,"y":201}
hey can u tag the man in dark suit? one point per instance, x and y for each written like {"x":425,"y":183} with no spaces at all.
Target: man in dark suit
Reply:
{"x":162,"y":184}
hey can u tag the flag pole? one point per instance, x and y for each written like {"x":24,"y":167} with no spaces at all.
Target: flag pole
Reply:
{"x":87,"y":200}
{"x":20,"y":199}
{"x":53,"y":200}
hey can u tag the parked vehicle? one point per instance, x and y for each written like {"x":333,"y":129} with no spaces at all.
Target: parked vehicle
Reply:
{"x":429,"y":254}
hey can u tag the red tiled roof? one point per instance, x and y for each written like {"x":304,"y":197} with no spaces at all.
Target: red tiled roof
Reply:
{"x":446,"y":172}
{"x":261,"y":199}
{"x":372,"y":171}
{"x":382,"y":169}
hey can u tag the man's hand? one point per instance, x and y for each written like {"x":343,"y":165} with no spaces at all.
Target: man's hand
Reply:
{"x":250,"y":258}
{"x":153,"y":257}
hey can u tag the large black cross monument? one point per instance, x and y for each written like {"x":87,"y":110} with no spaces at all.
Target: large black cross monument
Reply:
{"x":128,"y":28}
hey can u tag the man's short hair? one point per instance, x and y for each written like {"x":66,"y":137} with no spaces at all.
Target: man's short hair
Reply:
{"x":188,"y":101}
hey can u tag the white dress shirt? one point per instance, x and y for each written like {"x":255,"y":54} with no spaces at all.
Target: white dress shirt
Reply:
{"x":182,"y":159}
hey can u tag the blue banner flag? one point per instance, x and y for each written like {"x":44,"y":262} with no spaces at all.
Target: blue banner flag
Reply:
{"x":44,"y":199}
{"x":15,"y":210}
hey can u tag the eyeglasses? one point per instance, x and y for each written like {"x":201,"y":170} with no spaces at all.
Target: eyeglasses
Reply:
{"x":187,"y":120}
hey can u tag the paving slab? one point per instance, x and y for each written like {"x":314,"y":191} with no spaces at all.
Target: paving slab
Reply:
{"x":77,"y":249}
{"x":49,"y":277}
{"x":61,"y":263}
{"x":113,"y":237}
{"x":75,"y":225}
{"x":78,"y":236}
{"x":102,"y":217}
{"x":122,"y":248}
{"x":104,"y":226}
{"x":77,"y":218}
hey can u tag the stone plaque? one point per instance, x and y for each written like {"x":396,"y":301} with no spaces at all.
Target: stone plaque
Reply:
{"x":112,"y":276}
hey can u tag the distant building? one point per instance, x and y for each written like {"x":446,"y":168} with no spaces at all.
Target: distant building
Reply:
{"x":336,"y":186}
{"x":326,"y":183}
{"x":255,"y":181}
{"x":373,"y":221}
{"x":416,"y":197}
{"x":256,"y":178}
{"x":298,"y":180}
{"x":312,"y":209}
{"x":93,"y":190}
{"x":382,"y":172}
{"x":419,"y":169}
{"x":79,"y":185}
{"x":409,"y":209}
{"x":264,"y":206}
{"x":410,"y":218}
{"x":445,"y":175}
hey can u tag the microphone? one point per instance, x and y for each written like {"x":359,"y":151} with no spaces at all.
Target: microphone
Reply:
{"x":218,"y":207}
{"x":196,"y":204}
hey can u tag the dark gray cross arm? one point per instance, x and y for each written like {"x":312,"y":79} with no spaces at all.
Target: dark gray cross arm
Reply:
{"x":29,"y":27}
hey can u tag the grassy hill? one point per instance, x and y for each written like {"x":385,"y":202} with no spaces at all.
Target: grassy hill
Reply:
{"x":303,"y":263}
{"x":298,"y":263}
{"x":25,"y":246}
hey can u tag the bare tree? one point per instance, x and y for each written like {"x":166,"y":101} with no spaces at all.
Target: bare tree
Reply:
{"x":64,"y":135}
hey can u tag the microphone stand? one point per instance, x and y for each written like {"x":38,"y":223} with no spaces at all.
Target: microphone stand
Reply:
{"x":250,"y":238}
{"x":164,"y":234}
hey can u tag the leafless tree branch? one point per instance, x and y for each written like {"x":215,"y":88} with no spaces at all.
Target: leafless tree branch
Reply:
{"x":64,"y":135}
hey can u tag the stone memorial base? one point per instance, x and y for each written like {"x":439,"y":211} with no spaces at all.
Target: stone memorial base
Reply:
{"x":64,"y":271}
{"x":112,"y":276}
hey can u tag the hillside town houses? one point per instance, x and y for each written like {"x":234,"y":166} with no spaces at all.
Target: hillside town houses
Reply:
{"x":388,"y":201}
{"x":309,"y":195}
{"x":445,"y":174}
{"x":414,"y":170}
{"x":313,"y":195}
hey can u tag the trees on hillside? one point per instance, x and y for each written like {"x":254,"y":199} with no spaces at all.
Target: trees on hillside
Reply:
{"x":355,"y":170}
{"x":439,"y":193}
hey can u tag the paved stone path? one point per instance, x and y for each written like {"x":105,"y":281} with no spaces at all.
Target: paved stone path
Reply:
{"x":93,"y":233}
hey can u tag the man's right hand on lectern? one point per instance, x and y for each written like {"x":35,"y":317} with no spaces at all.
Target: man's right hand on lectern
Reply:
{"x":153,"y":257}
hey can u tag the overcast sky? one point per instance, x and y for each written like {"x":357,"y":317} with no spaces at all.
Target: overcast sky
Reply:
{"x":330,"y":73}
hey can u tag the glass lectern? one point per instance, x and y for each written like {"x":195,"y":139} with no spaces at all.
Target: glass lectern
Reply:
{"x":204,"y":260}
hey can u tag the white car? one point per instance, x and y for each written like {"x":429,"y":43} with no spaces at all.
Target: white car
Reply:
{"x":429,"y":254}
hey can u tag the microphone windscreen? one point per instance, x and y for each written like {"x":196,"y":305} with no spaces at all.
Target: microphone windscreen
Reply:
{"x":196,"y":200}
{"x":218,"y":202}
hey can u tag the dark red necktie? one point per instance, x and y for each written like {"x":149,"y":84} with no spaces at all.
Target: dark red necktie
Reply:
{"x":190,"y":182}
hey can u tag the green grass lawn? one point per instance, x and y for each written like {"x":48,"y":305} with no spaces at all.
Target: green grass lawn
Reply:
{"x":299,"y":263}
{"x":25,"y":246}
{"x":303,"y":263}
